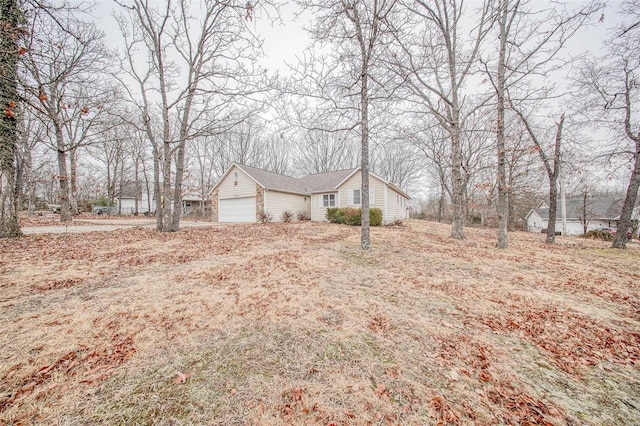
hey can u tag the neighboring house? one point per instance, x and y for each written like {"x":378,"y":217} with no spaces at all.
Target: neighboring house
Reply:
{"x":245,"y":194}
{"x":594,"y":212}
{"x":126,"y":199}
{"x":194,"y":205}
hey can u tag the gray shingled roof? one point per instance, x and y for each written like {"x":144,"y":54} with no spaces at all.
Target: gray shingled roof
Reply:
{"x":597,"y":208}
{"x":325,"y":181}
{"x":129,"y":190}
{"x":275,"y":181}
{"x":304,"y":185}
{"x":318,"y":182}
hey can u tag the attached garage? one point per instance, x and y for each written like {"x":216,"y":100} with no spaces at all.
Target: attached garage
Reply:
{"x":237,"y":210}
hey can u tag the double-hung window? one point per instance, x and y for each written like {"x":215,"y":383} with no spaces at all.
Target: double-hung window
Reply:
{"x":355,"y":197}
{"x":328,"y":200}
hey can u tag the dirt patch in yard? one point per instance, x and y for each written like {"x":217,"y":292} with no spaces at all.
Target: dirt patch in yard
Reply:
{"x":294,"y":324}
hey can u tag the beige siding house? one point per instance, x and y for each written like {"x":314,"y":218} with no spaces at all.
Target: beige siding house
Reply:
{"x":246,"y":194}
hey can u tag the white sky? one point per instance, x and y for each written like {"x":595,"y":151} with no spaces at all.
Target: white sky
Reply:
{"x":285,"y":40}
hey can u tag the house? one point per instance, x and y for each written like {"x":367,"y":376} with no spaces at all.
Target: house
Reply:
{"x":246,"y":194}
{"x":132,"y":199}
{"x":602,"y":212}
{"x":194,"y":205}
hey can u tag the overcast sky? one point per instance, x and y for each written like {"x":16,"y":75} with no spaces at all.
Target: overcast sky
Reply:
{"x":283,"y":40}
{"x":286,"y":39}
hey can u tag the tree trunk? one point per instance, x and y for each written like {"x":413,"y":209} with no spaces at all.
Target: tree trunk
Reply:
{"x":28,"y":184}
{"x":157,"y":189}
{"x":63,"y":176}
{"x":166,"y":188}
{"x":553,"y":213}
{"x":73,"y":187}
{"x":584,"y":212}
{"x":554,"y":173}
{"x":137,"y":188}
{"x":620,"y":240}
{"x":365,"y":237}
{"x":121,"y":187}
{"x":502,"y":206}
{"x":31,"y":184}
{"x":19,"y":181}
{"x":9,"y":18}
{"x":177,"y":191}
{"x":457,"y":187}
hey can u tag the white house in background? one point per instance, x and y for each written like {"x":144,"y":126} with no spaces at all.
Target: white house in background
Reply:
{"x":244,"y":194}
{"x":131,"y":200}
{"x":192,"y":203}
{"x":595,"y":212}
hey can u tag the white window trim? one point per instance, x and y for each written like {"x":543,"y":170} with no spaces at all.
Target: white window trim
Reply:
{"x":352,"y":197}
{"x":328,"y":200}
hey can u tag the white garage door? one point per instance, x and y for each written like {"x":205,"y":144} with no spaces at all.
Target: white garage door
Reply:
{"x":237,"y":210}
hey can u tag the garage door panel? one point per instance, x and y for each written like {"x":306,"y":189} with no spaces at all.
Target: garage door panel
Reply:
{"x":237,"y":209}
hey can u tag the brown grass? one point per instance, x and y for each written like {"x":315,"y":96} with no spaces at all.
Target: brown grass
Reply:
{"x":294,"y":324}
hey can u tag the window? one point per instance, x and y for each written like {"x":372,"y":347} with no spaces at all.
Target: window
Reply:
{"x":328,"y":200}
{"x":355,"y":197}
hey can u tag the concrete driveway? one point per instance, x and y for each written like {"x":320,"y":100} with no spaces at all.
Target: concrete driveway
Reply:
{"x":93,"y":225}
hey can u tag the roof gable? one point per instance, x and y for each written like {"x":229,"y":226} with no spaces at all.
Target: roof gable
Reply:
{"x":274,"y":181}
{"x":385,"y":182}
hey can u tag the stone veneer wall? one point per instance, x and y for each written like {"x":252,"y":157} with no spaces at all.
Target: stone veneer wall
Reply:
{"x":259,"y":202}
{"x":214,"y":205}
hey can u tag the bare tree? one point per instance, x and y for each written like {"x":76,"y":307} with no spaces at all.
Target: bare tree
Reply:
{"x":397,"y":162}
{"x":551,"y":163}
{"x":195,"y":63}
{"x":611,"y":87}
{"x":437,"y":62}
{"x":530,"y":43}
{"x":63,"y":82}
{"x":319,"y":151}
{"x":358,"y":30}
{"x":110,"y":153}
{"x":32,"y":134}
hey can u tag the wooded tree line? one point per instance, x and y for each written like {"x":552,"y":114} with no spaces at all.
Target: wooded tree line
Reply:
{"x":485,"y":103}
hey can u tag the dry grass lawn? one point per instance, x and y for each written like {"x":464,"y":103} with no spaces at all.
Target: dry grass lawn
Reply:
{"x":293,"y":324}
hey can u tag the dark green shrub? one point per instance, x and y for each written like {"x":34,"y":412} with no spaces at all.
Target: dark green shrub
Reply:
{"x":352,"y":216}
{"x":335,"y":215}
{"x":375,"y":216}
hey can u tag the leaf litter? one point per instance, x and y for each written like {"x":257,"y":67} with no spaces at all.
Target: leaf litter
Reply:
{"x":294,"y":324}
